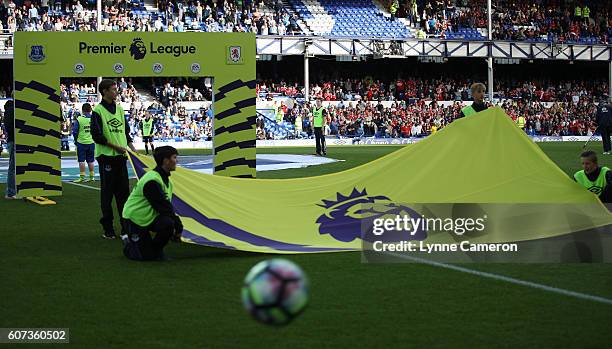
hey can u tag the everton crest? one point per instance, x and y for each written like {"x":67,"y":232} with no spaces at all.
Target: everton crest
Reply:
{"x":36,"y":53}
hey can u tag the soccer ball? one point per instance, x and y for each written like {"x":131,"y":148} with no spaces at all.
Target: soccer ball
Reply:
{"x":275,"y":291}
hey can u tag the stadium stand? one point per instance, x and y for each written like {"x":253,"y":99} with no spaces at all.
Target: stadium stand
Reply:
{"x":520,"y":20}
{"x":359,"y":107}
{"x":413,"y":89}
{"x":173,"y":121}
{"x":399,"y":119}
{"x":401,"y":106}
{"x":266,"y":18}
{"x":352,"y":18}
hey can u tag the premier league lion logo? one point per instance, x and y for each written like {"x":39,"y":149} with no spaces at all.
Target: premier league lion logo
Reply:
{"x":138,"y":50}
{"x":347,"y":216}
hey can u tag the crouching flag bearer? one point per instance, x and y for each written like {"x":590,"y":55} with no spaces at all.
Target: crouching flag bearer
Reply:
{"x":150,"y":218}
{"x":594,"y":178}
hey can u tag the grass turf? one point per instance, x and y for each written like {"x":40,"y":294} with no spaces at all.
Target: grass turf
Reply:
{"x":57,"y":272}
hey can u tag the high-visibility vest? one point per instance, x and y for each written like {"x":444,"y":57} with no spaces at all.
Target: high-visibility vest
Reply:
{"x":113,"y":129}
{"x":279,"y":115}
{"x":138,"y":209}
{"x":468,"y":110}
{"x":578,"y":11}
{"x":317,"y":115}
{"x":595,"y":187}
{"x":393,"y":9}
{"x":147,"y":127}
{"x":84,"y":136}
{"x":586,"y":12}
{"x":520,"y":121}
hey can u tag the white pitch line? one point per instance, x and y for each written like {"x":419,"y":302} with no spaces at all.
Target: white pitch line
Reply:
{"x":83,"y":185}
{"x":509,"y":279}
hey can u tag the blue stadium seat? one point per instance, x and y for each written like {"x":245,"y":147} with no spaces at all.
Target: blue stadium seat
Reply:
{"x":351,"y":18}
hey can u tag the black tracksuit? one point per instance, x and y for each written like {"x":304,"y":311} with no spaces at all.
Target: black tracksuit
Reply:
{"x":141,"y":245}
{"x":320,"y":137}
{"x":604,"y":124}
{"x":114,"y":180}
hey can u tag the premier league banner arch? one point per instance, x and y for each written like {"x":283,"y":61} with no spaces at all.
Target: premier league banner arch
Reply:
{"x":499,"y":189}
{"x":41,"y":58}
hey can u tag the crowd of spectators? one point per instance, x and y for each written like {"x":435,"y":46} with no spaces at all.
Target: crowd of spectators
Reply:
{"x":563,"y":21}
{"x":174,"y":122}
{"x":181,"y":90}
{"x":521,"y":20}
{"x":559,"y":21}
{"x":438,"y":89}
{"x":47,"y":15}
{"x":264,"y":18}
{"x":171,"y":121}
{"x":403,"y":120}
{"x":75,"y":92}
{"x":84,"y":90}
{"x":410,"y":108}
{"x":558,"y":119}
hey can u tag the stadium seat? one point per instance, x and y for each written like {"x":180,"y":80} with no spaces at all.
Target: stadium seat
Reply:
{"x":347,"y":18}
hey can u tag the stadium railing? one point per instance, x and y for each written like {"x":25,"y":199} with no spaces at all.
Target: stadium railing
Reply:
{"x":282,"y":131}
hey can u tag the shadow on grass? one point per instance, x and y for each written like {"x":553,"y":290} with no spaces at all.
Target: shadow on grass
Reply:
{"x":184,"y":251}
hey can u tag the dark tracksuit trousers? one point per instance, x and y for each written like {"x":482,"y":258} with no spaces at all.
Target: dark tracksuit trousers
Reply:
{"x":603,"y":117}
{"x":114,"y":183}
{"x":605,"y":137}
{"x":320,"y":140}
{"x":147,"y":243}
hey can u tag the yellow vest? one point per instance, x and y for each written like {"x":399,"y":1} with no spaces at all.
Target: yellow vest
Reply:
{"x":113,"y":129}
{"x":578,"y":11}
{"x":279,"y":115}
{"x":317,"y":116}
{"x":595,"y":187}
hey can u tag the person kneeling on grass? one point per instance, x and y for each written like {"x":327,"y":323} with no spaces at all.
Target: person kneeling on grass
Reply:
{"x":149,"y":214}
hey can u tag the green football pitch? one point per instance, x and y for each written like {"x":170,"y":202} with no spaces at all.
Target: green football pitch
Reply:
{"x":56,"y":271}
